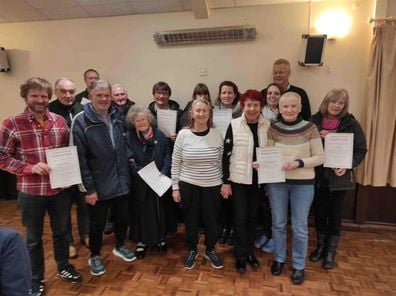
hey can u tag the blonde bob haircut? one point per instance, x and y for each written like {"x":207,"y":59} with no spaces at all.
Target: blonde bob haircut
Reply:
{"x":191,"y":119}
{"x":136,"y":110}
{"x":289,"y":95}
{"x":333,"y":96}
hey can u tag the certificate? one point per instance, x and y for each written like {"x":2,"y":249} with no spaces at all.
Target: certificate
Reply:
{"x":153,"y":178}
{"x":222,"y":119}
{"x":270,"y":165}
{"x":166,"y":121}
{"x":338,"y":150}
{"x":64,"y":165}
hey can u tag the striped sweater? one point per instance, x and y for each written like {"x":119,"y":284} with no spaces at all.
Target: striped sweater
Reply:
{"x":301,"y":140}
{"x":197,"y":159}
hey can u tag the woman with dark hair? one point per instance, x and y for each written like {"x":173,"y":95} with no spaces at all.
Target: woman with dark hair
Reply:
{"x":228,"y":98}
{"x":240,"y":178}
{"x":200,"y":91}
{"x":196,"y":178}
{"x":146,"y":144}
{"x":301,"y":149}
{"x":333,"y":117}
{"x":272,"y":94}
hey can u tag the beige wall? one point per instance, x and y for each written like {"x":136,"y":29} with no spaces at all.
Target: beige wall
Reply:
{"x":123,"y":50}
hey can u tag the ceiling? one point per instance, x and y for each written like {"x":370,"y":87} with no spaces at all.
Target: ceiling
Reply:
{"x":42,"y":10}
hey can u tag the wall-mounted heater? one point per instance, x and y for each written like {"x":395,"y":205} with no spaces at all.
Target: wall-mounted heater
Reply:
{"x":205,"y":35}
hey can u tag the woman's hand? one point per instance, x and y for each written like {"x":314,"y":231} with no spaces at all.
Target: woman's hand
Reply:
{"x":91,"y":199}
{"x":226,"y":191}
{"x":339,"y":172}
{"x":290,"y":165}
{"x":176,"y":196}
{"x":255,"y":165}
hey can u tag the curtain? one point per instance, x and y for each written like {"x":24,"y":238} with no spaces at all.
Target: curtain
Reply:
{"x":379,"y":122}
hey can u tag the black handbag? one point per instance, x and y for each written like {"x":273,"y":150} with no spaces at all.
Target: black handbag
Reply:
{"x":342,"y":183}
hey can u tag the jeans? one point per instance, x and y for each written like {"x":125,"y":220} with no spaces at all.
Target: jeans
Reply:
{"x":98,"y":217}
{"x":300,"y":197}
{"x":33,"y":210}
{"x":245,"y":202}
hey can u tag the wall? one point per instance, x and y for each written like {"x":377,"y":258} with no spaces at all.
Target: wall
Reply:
{"x":123,"y":50}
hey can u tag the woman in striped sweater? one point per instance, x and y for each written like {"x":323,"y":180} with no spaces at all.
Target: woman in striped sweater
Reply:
{"x":301,"y":149}
{"x":197,"y":177}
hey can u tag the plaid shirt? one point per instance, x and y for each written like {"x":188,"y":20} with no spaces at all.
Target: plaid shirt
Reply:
{"x":23,"y":141}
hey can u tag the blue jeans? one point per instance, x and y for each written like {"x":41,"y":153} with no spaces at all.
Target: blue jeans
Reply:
{"x":33,"y":210}
{"x":300,"y":197}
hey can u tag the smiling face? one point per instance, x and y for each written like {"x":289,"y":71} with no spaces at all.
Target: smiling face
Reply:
{"x":141,"y":123}
{"x":335,"y":108}
{"x":119,"y":95}
{"x":227,"y":96}
{"x":200,"y":113}
{"x":65,"y":92}
{"x":37,"y":101}
{"x":101,"y":99}
{"x":289,"y":107}
{"x":252,"y":110}
{"x":273,"y":96}
{"x":161,"y":98}
{"x":280,"y":74}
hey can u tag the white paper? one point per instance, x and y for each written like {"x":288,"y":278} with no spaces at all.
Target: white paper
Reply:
{"x":153,"y":178}
{"x":85,"y":101}
{"x":222,"y":119}
{"x":65,"y":168}
{"x":166,"y":121}
{"x":338,"y":150}
{"x":270,"y":165}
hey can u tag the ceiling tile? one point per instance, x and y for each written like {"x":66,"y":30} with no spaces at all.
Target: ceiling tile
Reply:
{"x":4,"y":20}
{"x":13,"y":5}
{"x":110,"y":9}
{"x":65,"y":13}
{"x":221,"y":3}
{"x":97,"y":2}
{"x":186,"y":4}
{"x":156,"y":6}
{"x":27,"y":15}
{"x":52,"y":3}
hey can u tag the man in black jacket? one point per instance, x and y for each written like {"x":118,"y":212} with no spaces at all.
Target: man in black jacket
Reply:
{"x":66,"y":106}
{"x":90,"y":76}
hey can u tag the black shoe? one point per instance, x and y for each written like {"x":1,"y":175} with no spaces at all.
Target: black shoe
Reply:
{"x":230,"y":238}
{"x":223,"y":236}
{"x":320,"y":250}
{"x":109,"y":228}
{"x":162,"y":248}
{"x":252,"y":261}
{"x":276,"y":268}
{"x":240,"y":265}
{"x":298,"y":276}
{"x":38,"y":288}
{"x":140,"y":251}
{"x":69,"y":273}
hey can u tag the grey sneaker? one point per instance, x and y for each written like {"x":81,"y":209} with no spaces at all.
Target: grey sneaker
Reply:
{"x":189,"y":261}
{"x":96,"y":265}
{"x":124,"y":253}
{"x":214,"y":259}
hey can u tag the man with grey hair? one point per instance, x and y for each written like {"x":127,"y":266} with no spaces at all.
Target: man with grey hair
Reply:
{"x":66,"y":106}
{"x":98,"y":133}
{"x":281,"y":73}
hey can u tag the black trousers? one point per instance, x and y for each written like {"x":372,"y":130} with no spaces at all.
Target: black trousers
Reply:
{"x":98,"y":215}
{"x":200,"y":204}
{"x":328,"y":210}
{"x":245,"y":202}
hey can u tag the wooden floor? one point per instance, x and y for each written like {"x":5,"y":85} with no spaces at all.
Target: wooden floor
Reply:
{"x":366,"y":265}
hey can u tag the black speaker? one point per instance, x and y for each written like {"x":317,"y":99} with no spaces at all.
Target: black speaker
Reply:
{"x":4,"y":66}
{"x":312,"y":49}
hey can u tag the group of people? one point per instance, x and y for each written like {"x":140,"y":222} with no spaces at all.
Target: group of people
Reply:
{"x":215,"y":180}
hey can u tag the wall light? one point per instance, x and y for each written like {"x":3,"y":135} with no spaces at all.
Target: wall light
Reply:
{"x":334,"y":23}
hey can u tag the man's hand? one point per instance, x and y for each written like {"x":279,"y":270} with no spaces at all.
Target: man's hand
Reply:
{"x":41,"y":169}
{"x":91,"y":199}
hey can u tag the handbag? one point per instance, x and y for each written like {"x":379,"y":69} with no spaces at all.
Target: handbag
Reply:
{"x":342,"y":183}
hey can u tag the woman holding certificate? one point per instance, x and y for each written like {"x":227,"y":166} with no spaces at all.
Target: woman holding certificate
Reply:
{"x":332,"y":183}
{"x":196,"y":178}
{"x":240,"y":177}
{"x":146,"y":144}
{"x":301,"y":150}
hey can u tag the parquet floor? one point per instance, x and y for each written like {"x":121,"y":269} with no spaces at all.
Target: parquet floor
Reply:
{"x":366,"y":265}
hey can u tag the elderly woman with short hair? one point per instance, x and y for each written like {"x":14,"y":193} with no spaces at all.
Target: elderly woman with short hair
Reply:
{"x":146,"y":144}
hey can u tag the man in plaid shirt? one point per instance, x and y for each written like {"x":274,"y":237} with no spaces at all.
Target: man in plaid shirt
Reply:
{"x":24,"y":138}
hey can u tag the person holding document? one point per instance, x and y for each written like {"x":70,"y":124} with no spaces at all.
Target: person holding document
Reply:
{"x":227,"y":99}
{"x":240,"y":177}
{"x":333,"y":117}
{"x":301,"y":149}
{"x":196,"y":180}
{"x":24,"y":138}
{"x":146,"y":144}
{"x":98,"y":133}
